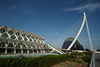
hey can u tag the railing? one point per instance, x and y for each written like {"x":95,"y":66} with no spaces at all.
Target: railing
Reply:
{"x":92,"y":63}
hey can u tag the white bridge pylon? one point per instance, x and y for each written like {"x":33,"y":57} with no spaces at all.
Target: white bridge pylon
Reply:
{"x":84,"y":20}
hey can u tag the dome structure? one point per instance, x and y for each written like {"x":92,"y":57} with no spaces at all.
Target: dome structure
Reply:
{"x":76,"y":46}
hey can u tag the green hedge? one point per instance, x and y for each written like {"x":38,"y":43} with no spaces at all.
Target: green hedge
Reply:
{"x":87,"y":58}
{"x":42,"y":61}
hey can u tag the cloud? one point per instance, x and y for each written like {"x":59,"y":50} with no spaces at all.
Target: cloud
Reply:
{"x":87,"y":7}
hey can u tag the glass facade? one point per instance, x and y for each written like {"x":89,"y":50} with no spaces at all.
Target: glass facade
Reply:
{"x":76,"y":46}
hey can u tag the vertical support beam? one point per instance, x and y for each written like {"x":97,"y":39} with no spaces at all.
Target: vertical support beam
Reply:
{"x":0,"y":34}
{"x":14,"y":48}
{"x":32,"y":49}
{"x":40,"y":49}
{"x":21,"y":49}
{"x":37,"y":51}
{"x":43,"y":49}
{"x":6,"y":49}
{"x":27,"y":48}
{"x":36,"y":48}
{"x":89,"y":36}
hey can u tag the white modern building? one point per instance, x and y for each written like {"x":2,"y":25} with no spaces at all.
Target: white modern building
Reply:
{"x":17,"y":41}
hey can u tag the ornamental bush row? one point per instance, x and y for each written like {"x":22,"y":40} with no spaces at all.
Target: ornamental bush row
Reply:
{"x":41,"y":61}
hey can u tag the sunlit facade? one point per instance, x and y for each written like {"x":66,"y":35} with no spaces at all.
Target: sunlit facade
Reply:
{"x":16,"y":41}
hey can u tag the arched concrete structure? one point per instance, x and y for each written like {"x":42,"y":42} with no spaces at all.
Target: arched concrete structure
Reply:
{"x":16,"y":41}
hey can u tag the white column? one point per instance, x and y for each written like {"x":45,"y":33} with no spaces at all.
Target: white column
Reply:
{"x":27,"y":49}
{"x":32,"y":49}
{"x":40,"y":49}
{"x":37,"y":51}
{"x":6,"y":49}
{"x":21,"y":49}
{"x":0,"y":34}
{"x":43,"y":49}
{"x":14,"y":48}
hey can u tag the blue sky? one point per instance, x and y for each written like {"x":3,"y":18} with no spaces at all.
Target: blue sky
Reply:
{"x":55,"y":20}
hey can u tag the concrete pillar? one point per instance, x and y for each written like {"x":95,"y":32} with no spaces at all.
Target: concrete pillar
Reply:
{"x":33,"y":52}
{"x":0,"y":34}
{"x":37,"y":51}
{"x":40,"y":49}
{"x":36,"y":48}
{"x":21,"y":49}
{"x":44,"y":51}
{"x":27,"y":50}
{"x":14,"y":48}
{"x":32,"y":49}
{"x":6,"y":49}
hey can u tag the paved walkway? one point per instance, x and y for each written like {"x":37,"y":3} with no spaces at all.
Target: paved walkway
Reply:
{"x":97,"y":59}
{"x":71,"y":64}
{"x":66,"y":64}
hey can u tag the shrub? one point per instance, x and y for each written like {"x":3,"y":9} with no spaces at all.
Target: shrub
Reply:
{"x":87,"y":58}
{"x":80,"y":53}
{"x":41,"y":61}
